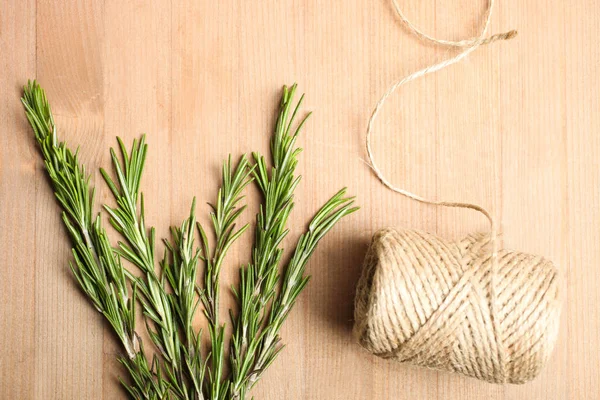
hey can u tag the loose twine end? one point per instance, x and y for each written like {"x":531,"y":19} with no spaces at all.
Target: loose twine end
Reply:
{"x":501,"y":36}
{"x":468,"y":45}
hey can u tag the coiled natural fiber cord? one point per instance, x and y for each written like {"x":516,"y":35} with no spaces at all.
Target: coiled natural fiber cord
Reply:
{"x":466,"y":306}
{"x":430,"y":302}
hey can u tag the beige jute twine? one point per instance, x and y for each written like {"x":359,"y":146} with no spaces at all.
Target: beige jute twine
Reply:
{"x":467,"y":306}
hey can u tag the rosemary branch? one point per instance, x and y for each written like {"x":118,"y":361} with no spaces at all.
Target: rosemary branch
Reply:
{"x":97,"y":267}
{"x":174,"y":344}
{"x":223,"y":216}
{"x":256,"y":342}
{"x":169,"y":299}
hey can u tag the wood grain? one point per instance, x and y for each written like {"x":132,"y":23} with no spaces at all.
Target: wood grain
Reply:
{"x":513,"y":128}
{"x":18,"y":181}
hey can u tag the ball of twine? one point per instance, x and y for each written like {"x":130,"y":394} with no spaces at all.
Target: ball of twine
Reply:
{"x":439,"y":304}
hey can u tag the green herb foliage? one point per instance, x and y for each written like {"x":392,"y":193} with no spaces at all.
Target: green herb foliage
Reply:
{"x":188,"y":273}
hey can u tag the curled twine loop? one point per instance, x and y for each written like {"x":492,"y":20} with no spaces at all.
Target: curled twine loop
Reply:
{"x":468,"y":45}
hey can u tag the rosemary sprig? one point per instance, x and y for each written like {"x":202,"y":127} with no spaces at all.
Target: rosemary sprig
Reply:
{"x":97,"y":268}
{"x":170,"y":298}
{"x":223,"y":216}
{"x":180,"y":266}
{"x":256,"y":342}
{"x":158,"y":305}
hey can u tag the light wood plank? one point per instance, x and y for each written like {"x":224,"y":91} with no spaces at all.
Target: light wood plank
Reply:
{"x":582,"y":151}
{"x":18,"y":181}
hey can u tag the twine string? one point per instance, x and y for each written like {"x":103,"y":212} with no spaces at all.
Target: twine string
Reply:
{"x":470,"y":42}
{"x":468,"y":46}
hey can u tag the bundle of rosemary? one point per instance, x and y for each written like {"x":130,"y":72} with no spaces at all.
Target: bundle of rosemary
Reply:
{"x":170,"y":293}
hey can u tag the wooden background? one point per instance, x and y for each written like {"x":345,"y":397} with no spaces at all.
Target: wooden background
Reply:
{"x":202,"y":79}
